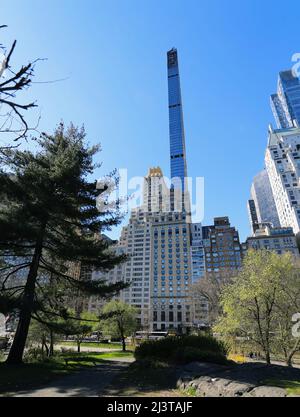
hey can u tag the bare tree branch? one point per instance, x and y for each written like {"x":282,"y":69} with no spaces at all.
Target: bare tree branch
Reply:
{"x":14,"y":124}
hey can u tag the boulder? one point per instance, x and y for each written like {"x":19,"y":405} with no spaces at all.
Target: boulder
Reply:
{"x":266,"y":391}
{"x":237,"y":389}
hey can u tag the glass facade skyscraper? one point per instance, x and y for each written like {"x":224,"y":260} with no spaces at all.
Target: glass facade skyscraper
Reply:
{"x":176,"y":127}
{"x":286,"y":102}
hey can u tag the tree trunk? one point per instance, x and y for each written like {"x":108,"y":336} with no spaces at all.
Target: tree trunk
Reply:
{"x":289,"y":357}
{"x":123,"y":344}
{"x":47,"y":350}
{"x":268,"y":358}
{"x":78,"y":346}
{"x":51,"y":347}
{"x":16,"y":352}
{"x":290,"y":354}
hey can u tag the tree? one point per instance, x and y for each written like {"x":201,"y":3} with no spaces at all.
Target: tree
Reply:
{"x":12,"y":82}
{"x":84,"y":327}
{"x":119,"y":320}
{"x":49,"y":222}
{"x":287,"y":304}
{"x":208,"y":289}
{"x":255,"y":305}
{"x":39,"y":335}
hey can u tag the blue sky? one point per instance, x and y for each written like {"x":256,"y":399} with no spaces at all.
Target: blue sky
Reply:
{"x":113,"y":54}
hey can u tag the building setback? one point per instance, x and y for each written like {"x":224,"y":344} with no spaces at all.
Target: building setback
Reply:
{"x":277,"y":239}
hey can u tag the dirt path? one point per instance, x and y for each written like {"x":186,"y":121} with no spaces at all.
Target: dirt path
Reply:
{"x":85,"y":383}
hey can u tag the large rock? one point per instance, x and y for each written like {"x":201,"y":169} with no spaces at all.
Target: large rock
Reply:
{"x":266,"y":391}
{"x":237,"y":389}
{"x":218,"y":387}
{"x":210,"y":380}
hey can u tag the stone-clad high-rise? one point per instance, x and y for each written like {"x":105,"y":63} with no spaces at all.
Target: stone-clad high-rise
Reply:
{"x":275,"y":194}
{"x":283,"y":151}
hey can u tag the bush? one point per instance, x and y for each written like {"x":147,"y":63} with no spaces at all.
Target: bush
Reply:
{"x":192,"y":354}
{"x":183,"y":349}
{"x":33,"y":355}
{"x":36,"y":355}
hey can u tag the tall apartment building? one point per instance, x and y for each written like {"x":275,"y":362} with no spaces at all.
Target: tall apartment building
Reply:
{"x":176,"y":126}
{"x":171,"y":279}
{"x":157,"y":238}
{"x":276,"y":239}
{"x":282,"y":161}
{"x":117,"y":274}
{"x":261,"y":207}
{"x":136,"y":237}
{"x":171,"y":243}
{"x":222,"y":255}
{"x":286,"y":102}
{"x":159,"y":265}
{"x":223,"y":250}
{"x":180,"y":198}
{"x":275,"y":198}
{"x":156,"y":194}
{"x":135,"y":241}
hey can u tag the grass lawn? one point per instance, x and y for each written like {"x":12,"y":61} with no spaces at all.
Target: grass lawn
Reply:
{"x":18,"y":377}
{"x":292,"y":387}
{"x":84,"y":359}
{"x":93,"y":345}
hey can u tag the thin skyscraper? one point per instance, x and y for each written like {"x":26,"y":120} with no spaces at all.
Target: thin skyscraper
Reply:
{"x":176,"y":126}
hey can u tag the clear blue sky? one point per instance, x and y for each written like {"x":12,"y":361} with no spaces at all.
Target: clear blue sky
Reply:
{"x":114,"y":55}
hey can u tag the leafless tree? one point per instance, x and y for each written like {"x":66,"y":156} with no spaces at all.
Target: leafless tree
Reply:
{"x":12,"y":81}
{"x":208,"y":289}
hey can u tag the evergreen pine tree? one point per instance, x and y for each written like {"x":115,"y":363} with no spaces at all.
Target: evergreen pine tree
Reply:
{"x":49,"y":222}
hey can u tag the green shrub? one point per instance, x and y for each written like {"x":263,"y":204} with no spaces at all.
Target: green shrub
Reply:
{"x":183,"y":349}
{"x":192,"y":354}
{"x":33,"y":355}
{"x":36,"y":355}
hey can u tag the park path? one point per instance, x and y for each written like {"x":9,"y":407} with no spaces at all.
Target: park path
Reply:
{"x":86,"y":349}
{"x":84,"y":383}
{"x":280,"y":363}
